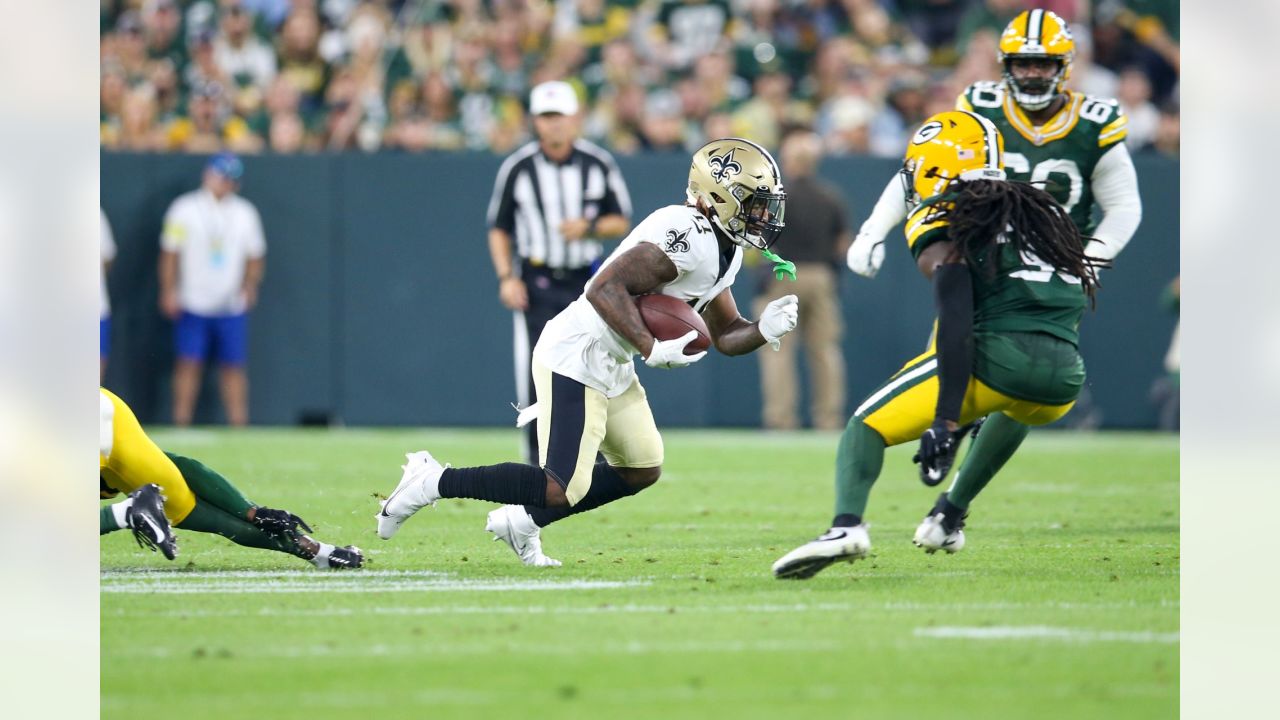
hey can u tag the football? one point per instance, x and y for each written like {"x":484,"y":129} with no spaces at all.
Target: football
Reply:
{"x":670,"y":318}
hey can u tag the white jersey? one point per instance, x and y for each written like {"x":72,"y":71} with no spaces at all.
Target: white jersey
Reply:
{"x":214,"y":239}
{"x":579,"y":344}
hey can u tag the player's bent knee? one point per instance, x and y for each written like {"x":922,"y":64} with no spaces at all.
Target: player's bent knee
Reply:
{"x":555,"y":493}
{"x":640,"y":478}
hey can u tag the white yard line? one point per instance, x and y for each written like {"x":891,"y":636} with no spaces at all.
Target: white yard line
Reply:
{"x":1043,"y":632}
{"x":633,"y":609}
{"x":249,"y":582}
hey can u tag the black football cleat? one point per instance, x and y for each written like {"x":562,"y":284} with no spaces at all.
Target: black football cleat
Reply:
{"x":145,"y":517}
{"x":341,"y":558}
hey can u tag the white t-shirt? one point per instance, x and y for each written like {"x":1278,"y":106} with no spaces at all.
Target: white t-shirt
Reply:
{"x":108,"y":247}
{"x":214,"y":239}
{"x":578,"y":343}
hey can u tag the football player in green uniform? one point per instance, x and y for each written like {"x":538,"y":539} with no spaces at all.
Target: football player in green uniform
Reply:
{"x":1070,"y":144}
{"x":1010,"y":282}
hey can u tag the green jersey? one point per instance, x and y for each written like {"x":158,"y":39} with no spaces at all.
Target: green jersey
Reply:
{"x":1022,"y":293}
{"x":1063,"y":152}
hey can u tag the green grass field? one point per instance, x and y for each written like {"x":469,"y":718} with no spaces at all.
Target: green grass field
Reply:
{"x":1063,"y":605}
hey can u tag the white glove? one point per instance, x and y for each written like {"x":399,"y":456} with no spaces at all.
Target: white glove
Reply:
{"x":779,"y":318}
{"x":866,"y":253}
{"x":667,"y":354}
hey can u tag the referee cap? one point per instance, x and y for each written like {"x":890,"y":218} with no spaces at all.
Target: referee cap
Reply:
{"x":227,"y":165}
{"x":553,"y":97}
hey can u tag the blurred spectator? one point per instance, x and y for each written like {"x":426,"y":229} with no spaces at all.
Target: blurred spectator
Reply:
{"x":246,"y":62}
{"x":902,"y":113}
{"x":210,"y":126}
{"x":138,"y":129}
{"x":300,"y":61}
{"x":592,"y":23}
{"x":815,"y":239}
{"x":663,"y":126}
{"x":763,"y":117}
{"x":991,"y":15}
{"x":130,"y":47}
{"x":107,"y":254}
{"x":711,"y":53}
{"x":163,"y":23}
{"x":686,"y":30}
{"x":1135,"y":100}
{"x":934,"y":22}
{"x":1088,"y":76}
{"x":211,"y":263}
{"x":287,"y":134}
{"x":846,"y":125}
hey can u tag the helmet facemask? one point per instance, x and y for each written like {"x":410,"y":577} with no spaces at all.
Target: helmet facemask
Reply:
{"x":1036,"y":93}
{"x":760,"y":218}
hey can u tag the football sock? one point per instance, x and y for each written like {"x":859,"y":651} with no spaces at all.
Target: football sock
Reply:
{"x":999,"y":437}
{"x":506,"y":483}
{"x":211,"y":487}
{"x":607,"y":485}
{"x":206,"y":518}
{"x":858,"y":461}
{"x":321,"y":560}
{"x":112,"y":517}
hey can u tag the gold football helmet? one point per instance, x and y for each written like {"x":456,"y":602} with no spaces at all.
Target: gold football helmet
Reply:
{"x":1037,"y":34}
{"x":952,"y":145}
{"x":739,"y":182}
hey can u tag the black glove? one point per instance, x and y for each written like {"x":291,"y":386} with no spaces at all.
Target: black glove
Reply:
{"x":938,"y":447}
{"x":278,"y":522}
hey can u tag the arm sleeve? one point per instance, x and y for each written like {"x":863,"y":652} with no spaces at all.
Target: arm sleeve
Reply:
{"x":953,"y":297}
{"x":1115,"y":187}
{"x":502,"y":205}
{"x":890,"y":210}
{"x":256,"y":240}
{"x":174,"y":232}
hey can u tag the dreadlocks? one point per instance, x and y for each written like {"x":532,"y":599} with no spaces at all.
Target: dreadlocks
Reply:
{"x":979,"y":211}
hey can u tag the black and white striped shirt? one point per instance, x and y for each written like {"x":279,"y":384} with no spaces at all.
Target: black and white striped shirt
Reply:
{"x":534,"y":194}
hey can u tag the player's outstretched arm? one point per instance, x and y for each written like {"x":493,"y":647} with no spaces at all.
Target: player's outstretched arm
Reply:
{"x":642,"y":269}
{"x":735,"y":335}
{"x":866,"y":253}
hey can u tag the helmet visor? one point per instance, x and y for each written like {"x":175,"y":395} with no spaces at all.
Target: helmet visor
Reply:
{"x":765,"y":218}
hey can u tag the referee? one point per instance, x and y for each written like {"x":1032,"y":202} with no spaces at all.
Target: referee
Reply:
{"x":554,"y":200}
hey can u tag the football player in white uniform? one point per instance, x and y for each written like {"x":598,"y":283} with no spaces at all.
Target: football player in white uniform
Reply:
{"x":589,"y":398}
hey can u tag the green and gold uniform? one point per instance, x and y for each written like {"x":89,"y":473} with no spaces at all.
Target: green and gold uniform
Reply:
{"x":1063,"y":152}
{"x":1026,"y":362}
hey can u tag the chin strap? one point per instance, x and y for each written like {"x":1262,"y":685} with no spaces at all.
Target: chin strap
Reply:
{"x":781,"y":268}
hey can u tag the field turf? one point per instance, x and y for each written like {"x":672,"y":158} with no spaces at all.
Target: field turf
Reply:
{"x":1063,"y":605}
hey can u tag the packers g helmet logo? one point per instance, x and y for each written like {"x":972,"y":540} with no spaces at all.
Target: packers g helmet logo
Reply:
{"x":722,"y":166}
{"x":927,"y":132}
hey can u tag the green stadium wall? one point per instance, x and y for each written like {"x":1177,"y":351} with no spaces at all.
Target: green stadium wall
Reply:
{"x":380,"y":307}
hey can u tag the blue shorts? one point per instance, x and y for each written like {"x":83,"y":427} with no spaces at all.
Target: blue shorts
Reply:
{"x":104,"y":337}
{"x":225,"y":337}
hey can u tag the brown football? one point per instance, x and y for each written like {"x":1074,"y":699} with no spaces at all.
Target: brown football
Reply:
{"x":670,"y":318}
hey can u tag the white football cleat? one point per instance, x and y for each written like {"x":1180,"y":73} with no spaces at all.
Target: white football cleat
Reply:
{"x":419,"y":486}
{"x":513,"y":525}
{"x":940,"y":529}
{"x":835,"y":545}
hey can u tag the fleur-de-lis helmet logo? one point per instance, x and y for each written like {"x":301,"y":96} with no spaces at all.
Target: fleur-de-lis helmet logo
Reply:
{"x":722,"y":166}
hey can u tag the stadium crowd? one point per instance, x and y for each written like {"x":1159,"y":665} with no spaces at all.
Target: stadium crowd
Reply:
{"x":288,"y":76}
